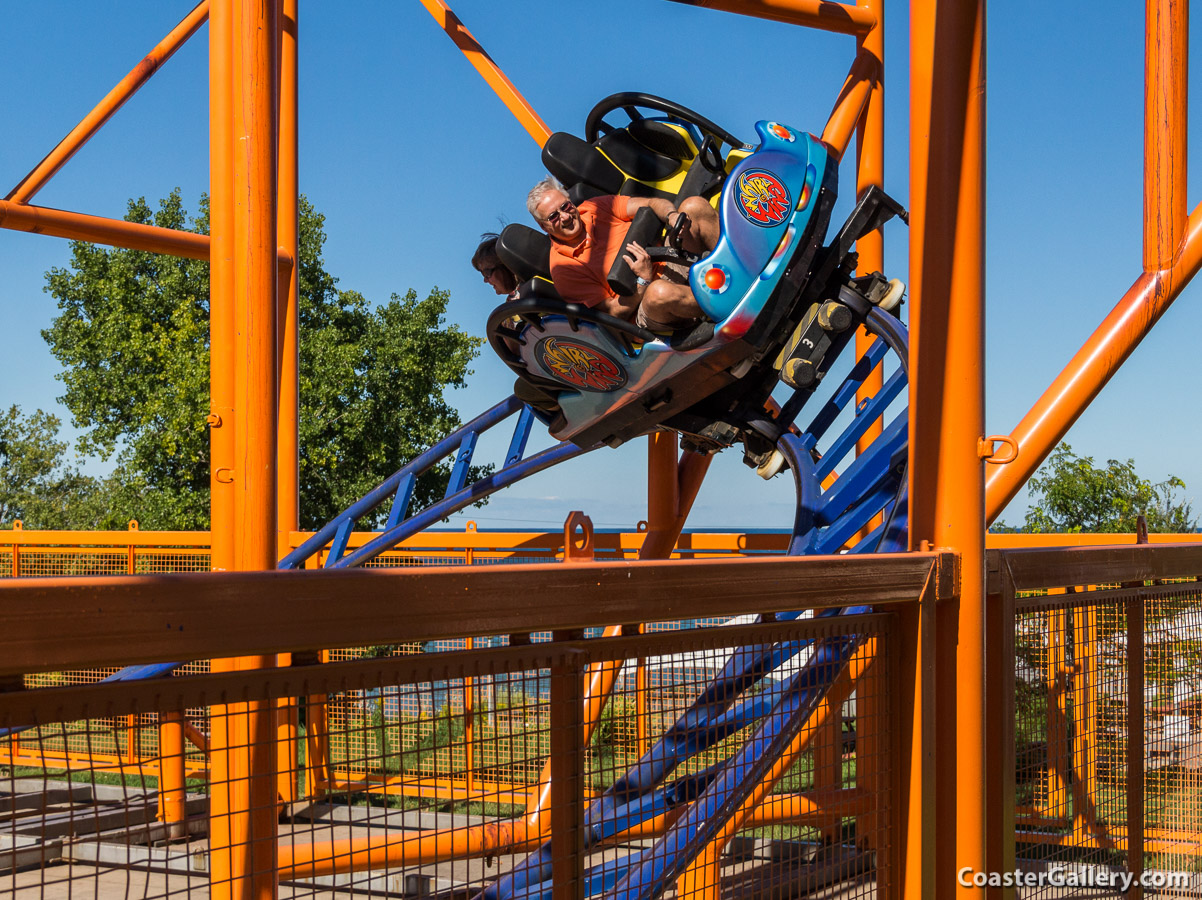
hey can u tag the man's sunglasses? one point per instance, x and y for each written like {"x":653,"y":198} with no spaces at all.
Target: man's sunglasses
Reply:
{"x":564,"y":208}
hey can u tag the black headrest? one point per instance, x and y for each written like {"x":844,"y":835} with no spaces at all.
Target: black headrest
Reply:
{"x":525,"y":252}
{"x":572,"y":161}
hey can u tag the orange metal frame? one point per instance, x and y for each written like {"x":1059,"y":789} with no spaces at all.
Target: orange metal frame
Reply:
{"x":253,"y":381}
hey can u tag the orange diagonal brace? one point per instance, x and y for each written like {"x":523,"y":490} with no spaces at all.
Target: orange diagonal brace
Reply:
{"x":497,"y":80}
{"x":863,"y":76}
{"x":113,"y":101}
{"x":1091,"y":368}
{"x":115,"y":232}
{"x":822,"y":14}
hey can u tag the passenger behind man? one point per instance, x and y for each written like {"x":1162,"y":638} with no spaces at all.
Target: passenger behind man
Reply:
{"x":499,"y":277}
{"x":496,"y":274}
{"x":587,"y":238}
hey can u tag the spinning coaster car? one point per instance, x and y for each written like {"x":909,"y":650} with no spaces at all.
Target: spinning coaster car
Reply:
{"x":781,"y":304}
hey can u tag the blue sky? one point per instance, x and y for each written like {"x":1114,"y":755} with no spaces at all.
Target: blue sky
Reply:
{"x":410,"y":156}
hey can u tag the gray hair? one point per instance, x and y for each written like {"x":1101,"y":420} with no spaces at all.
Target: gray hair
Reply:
{"x":540,"y":190}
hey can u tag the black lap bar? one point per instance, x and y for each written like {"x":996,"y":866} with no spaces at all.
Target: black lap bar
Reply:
{"x":645,"y":230}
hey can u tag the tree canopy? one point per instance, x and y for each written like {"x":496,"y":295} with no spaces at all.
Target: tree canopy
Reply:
{"x":37,"y":485}
{"x":132,"y":335}
{"x":1070,"y":494}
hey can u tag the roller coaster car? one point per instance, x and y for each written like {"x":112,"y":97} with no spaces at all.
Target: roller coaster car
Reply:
{"x":781,"y":304}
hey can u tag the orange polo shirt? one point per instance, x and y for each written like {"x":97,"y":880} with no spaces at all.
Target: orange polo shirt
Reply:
{"x":580,"y":272}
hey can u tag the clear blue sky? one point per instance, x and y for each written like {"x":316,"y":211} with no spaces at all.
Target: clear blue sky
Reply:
{"x":410,"y":156}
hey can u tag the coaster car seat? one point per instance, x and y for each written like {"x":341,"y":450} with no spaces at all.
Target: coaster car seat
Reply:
{"x":782,"y":303}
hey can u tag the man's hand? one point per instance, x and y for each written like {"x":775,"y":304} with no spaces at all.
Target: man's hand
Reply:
{"x":639,"y":261}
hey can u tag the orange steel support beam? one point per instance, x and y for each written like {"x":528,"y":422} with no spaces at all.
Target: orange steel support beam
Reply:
{"x":870,"y":170}
{"x":489,"y":70}
{"x":1169,"y":262}
{"x":946,"y":422}
{"x":862,"y":80}
{"x":288,"y":356}
{"x":104,"y":110}
{"x":287,"y":230}
{"x":822,"y":14}
{"x":172,"y":774}
{"x":244,"y":36}
{"x":98,"y":229}
{"x":1166,"y":60}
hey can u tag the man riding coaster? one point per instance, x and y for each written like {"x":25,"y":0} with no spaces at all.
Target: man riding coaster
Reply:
{"x":587,"y":237}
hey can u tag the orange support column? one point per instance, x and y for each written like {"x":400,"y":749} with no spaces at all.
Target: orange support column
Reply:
{"x":1169,"y":263}
{"x":288,"y":355}
{"x":947,"y":401}
{"x":172,"y":776}
{"x":243,"y":117}
{"x":870,"y":171}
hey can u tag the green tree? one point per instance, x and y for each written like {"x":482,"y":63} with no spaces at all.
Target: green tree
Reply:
{"x":37,"y":485}
{"x":132,"y":336}
{"x":1070,"y":494}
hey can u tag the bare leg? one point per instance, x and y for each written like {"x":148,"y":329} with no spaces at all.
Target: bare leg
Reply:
{"x":666,"y":306}
{"x":702,"y":233}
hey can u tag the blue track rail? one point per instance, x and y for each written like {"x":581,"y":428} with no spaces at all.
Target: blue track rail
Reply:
{"x":871,"y":484}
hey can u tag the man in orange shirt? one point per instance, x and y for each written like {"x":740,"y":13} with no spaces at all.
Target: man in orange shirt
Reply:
{"x":587,"y":238}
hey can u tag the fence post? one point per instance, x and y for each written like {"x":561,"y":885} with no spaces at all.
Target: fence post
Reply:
{"x":999,"y":720}
{"x":173,"y":811}
{"x":1135,"y":740}
{"x":567,"y":774}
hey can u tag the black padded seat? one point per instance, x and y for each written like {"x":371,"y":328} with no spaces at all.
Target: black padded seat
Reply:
{"x":525,"y":252}
{"x":660,"y":138}
{"x":635,"y":159}
{"x":573,"y":161}
{"x":539,"y":287}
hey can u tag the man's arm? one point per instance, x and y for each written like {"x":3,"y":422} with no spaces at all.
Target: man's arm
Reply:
{"x":661,"y":207}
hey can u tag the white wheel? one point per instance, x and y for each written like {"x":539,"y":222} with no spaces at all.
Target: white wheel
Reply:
{"x":891,"y":299}
{"x":772,"y":466}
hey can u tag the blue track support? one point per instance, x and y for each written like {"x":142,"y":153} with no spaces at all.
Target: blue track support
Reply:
{"x":873,"y":483}
{"x":400,"y":485}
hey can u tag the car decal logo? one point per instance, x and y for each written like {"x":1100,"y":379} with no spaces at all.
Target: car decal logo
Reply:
{"x":763,"y":198}
{"x":580,"y":365}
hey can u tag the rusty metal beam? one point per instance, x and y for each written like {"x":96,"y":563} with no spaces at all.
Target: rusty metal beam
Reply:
{"x":129,"y":619}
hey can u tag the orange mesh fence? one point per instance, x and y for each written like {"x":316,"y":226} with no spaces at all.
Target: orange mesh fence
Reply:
{"x":1107,"y":694}
{"x":419,"y":771}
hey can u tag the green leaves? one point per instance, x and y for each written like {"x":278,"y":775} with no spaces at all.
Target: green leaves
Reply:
{"x":1070,"y":494}
{"x":36,"y":485}
{"x":132,"y":335}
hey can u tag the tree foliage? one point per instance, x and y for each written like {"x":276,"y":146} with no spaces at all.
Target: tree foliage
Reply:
{"x":132,"y":335}
{"x":1070,"y":494}
{"x":37,"y":485}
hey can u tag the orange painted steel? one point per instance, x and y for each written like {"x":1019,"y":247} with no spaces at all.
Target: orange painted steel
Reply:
{"x":701,"y":880}
{"x":287,"y":354}
{"x":861,"y":81}
{"x":1169,"y":261}
{"x":172,"y":774}
{"x":287,"y":231}
{"x":824,"y":15}
{"x":870,"y":171}
{"x":1166,"y":60}
{"x":113,"y":101}
{"x":100,"y":230}
{"x":947,"y":401}
{"x":243,"y":811}
{"x":489,"y":70}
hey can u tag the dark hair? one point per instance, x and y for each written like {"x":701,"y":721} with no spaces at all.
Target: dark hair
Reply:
{"x":486,"y":257}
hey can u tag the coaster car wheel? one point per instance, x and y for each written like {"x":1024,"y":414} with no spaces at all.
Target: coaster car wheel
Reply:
{"x":530,"y":312}
{"x":631,"y":102}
